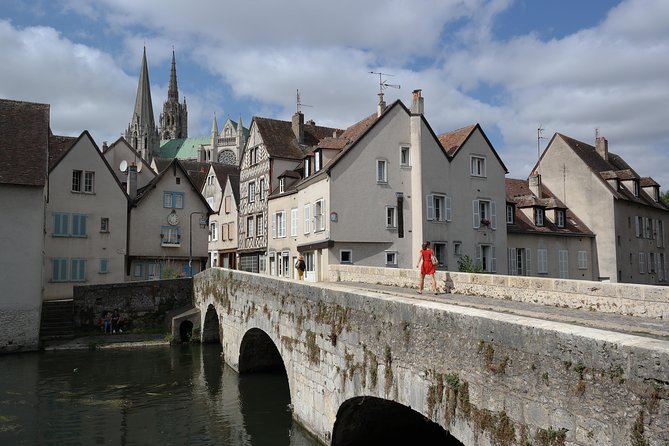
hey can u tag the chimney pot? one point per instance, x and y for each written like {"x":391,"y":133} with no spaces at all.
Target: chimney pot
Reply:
{"x":417,"y":106}
{"x":602,"y":147}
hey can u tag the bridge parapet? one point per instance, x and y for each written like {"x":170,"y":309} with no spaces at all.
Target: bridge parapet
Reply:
{"x":647,"y":301}
{"x":488,"y":378}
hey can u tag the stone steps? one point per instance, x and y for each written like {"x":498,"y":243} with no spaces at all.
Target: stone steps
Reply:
{"x":57,"y":320}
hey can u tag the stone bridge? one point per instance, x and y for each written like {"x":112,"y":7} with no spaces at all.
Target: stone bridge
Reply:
{"x":360,"y":362}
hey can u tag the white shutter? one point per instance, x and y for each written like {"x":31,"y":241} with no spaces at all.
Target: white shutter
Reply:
{"x":493,"y":268}
{"x":429,"y":205}
{"x":448,"y":208}
{"x":513,"y":265}
{"x":477,"y":217}
{"x":323,"y":214}
{"x":493,"y":215}
{"x":528,"y":262}
{"x":274,"y":217}
{"x":478,"y":255}
{"x":636,"y":226}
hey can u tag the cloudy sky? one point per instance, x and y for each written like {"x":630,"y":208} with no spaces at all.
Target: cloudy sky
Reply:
{"x":569,"y":66}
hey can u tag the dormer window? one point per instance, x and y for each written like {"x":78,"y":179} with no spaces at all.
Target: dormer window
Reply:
{"x":636,"y":187}
{"x":539,"y":216}
{"x":509,"y":214}
{"x":307,"y":170}
{"x":559,"y":218}
{"x":282,"y":185}
{"x":656,"y":194}
{"x":318,"y":160}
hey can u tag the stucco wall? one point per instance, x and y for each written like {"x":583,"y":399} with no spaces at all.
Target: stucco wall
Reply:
{"x":489,"y":378}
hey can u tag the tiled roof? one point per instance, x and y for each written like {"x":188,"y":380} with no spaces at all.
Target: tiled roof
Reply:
{"x":223,"y":170}
{"x":648,"y":182}
{"x":58,"y":147}
{"x":24,"y":142}
{"x":280,"y":141}
{"x":234,"y":184}
{"x":518,"y":192}
{"x":183,"y":148}
{"x":452,"y":141}
{"x":162,"y":163}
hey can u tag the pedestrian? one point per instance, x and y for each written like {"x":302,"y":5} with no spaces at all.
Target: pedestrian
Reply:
{"x":426,"y":263}
{"x":300,"y":266}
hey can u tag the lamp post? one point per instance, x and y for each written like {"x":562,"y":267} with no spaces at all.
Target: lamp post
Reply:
{"x":203,"y":224}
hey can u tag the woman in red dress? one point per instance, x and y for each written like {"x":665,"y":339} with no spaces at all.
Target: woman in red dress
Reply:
{"x":426,"y":267}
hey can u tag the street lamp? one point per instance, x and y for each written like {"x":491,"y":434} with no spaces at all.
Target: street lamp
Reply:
{"x":203,"y":224}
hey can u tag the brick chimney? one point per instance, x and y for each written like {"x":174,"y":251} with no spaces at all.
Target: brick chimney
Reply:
{"x":534,"y":183}
{"x":298,"y":127}
{"x":417,"y":106}
{"x":381,"y":107}
{"x":602,"y":146}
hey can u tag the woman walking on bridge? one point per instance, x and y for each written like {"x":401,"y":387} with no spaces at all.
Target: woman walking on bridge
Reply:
{"x":427,"y":262}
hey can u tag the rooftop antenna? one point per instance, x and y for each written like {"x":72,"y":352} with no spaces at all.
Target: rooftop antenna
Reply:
{"x":299,"y":103}
{"x":540,"y":136}
{"x":384,"y":84}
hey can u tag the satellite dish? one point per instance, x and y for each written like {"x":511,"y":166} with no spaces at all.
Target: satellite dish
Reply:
{"x":123,"y":167}
{"x":139,"y":166}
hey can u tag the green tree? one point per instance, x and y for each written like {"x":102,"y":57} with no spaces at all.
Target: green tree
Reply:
{"x":467,"y":265}
{"x":665,"y":197}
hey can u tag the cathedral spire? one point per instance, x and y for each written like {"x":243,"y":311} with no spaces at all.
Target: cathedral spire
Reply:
{"x":173,"y":92}
{"x":174,"y":118}
{"x":143,"y":104}
{"x":142,"y":133}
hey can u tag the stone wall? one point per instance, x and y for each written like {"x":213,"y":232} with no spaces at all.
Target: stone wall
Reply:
{"x":143,"y":305}
{"x":19,"y":329}
{"x":489,"y":378}
{"x":620,"y":298}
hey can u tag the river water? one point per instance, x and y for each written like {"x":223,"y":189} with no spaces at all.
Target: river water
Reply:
{"x":167,"y":395}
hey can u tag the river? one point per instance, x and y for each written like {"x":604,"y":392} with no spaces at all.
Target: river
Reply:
{"x":167,"y":395}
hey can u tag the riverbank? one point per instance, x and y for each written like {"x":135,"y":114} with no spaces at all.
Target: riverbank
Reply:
{"x":116,"y":340}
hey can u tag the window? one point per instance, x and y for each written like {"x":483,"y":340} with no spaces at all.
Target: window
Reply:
{"x":477,"y":166}
{"x":486,"y":258}
{"x":252,"y":191}
{"x":638,"y":225}
{"x":559,"y":218}
{"x":484,"y":214}
{"x":293,"y":222}
{"x":509,"y":214}
{"x":177,"y":180}
{"x":213,"y":235}
{"x":282,"y":185}
{"x":169,"y":236}
{"x":104,"y":224}
{"x":405,"y":160}
{"x":519,"y":262}
{"x":228,"y":204}
{"x":173,"y":200}
{"x":307,"y":170}
{"x":642,"y":263}
{"x":307,"y":218}
{"x":284,"y":264}
{"x":231,"y":231}
{"x":58,"y":270}
{"x":319,"y":215}
{"x":660,"y":234}
{"x":539,"y":216}
{"x":279,"y":225}
{"x":391,"y":217}
{"x":261,"y":189}
{"x":438,"y":207}
{"x":391,"y":258}
{"x":542,"y":261}
{"x":138,"y":270}
{"x":60,"y":224}
{"x":635,"y":185}
{"x":563,"y":263}
{"x":78,"y":271}
{"x":259,"y":225}
{"x":76,"y":180}
{"x":583,"y":260}
{"x":441,"y":251}
{"x":648,"y":227}
{"x":345,"y":256}
{"x":89,"y":182}
{"x":249,"y":227}
{"x":661,"y":267}
{"x":318,"y":159}
{"x":457,"y":248}
{"x":651,"y":263}
{"x":104,"y":266}
{"x":78,"y":225}
{"x":381,"y":171}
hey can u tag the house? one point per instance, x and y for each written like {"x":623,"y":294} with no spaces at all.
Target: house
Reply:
{"x":120,"y":155}
{"x":24,"y":147}
{"x":543,"y":235}
{"x":372,"y":195}
{"x":273,"y":147}
{"x":168,"y":227}
{"x":622,"y":208}
{"x":221,"y":191}
{"x":86,"y":218}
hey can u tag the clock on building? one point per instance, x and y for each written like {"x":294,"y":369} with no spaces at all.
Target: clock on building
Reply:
{"x":173,"y":218}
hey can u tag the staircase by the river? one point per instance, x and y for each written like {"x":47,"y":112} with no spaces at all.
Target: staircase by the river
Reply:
{"x":56,"y":320}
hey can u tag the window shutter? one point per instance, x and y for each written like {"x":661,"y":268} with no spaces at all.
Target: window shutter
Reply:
{"x":493,"y":262}
{"x":477,"y":217}
{"x":276,"y":215}
{"x":478,"y":255}
{"x":429,"y":205}
{"x":323,"y":214}
{"x":528,"y":262}
{"x":493,"y":215}
{"x":448,"y":208}
{"x":636,"y":226}
{"x":513,"y":265}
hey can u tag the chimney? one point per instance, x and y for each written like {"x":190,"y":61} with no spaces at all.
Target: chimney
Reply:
{"x":298,"y":127}
{"x":104,"y":146}
{"x":132,"y":181}
{"x":382,"y":105}
{"x":534,"y":183}
{"x":417,"y":107}
{"x":602,"y":146}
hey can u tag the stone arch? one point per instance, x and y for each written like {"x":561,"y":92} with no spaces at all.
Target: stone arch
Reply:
{"x":258,"y":353}
{"x":371,"y":420}
{"x":185,"y":331}
{"x":211,"y":328}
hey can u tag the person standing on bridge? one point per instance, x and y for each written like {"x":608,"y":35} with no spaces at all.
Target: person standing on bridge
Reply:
{"x":426,"y":263}
{"x":300,"y":266}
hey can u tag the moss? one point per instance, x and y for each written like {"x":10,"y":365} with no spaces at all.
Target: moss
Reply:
{"x":373,"y":370}
{"x":617,"y":374}
{"x":544,"y":377}
{"x":313,"y":351}
{"x":388,"y":361}
{"x":580,"y":369}
{"x":637,"y":437}
{"x":550,"y":437}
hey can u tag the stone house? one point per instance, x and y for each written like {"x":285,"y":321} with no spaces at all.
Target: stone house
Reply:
{"x":543,"y":235}
{"x":622,"y":208}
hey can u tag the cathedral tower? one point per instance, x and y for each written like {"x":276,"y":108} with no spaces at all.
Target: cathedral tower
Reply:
{"x":174,"y":118}
{"x":142,"y":133}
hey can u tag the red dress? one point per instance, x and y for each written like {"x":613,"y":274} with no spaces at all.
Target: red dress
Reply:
{"x":426,"y":267}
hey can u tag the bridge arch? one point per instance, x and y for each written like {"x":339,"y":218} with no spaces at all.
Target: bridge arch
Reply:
{"x":211,"y":327}
{"x":372,"y":420}
{"x":258,"y":353}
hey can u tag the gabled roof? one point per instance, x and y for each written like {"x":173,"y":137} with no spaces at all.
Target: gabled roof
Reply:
{"x":234,"y":184}
{"x":606,"y":169}
{"x":58,"y":148}
{"x":138,"y":157}
{"x":222,"y":171}
{"x":280,"y":141}
{"x":453,"y":141}
{"x":519,"y":193}
{"x":24,"y":142}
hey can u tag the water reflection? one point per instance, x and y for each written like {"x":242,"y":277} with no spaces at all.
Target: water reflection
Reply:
{"x":160,"y":395}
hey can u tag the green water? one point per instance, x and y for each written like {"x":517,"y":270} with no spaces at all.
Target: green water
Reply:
{"x":181,"y":395}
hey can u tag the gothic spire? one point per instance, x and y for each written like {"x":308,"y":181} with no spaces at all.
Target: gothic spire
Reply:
{"x":173,"y":92}
{"x":142,"y":133}
{"x":143,"y":104}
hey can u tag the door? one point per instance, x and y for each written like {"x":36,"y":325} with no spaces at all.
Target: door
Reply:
{"x":310,"y":273}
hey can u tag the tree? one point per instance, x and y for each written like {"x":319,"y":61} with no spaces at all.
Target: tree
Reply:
{"x":665,"y":197}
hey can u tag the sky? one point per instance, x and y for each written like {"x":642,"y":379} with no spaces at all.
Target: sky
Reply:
{"x":570,"y":66}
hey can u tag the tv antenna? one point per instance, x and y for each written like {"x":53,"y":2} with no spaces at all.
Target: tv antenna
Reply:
{"x":299,"y":103}
{"x":383,"y":84}
{"x":540,"y":136}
